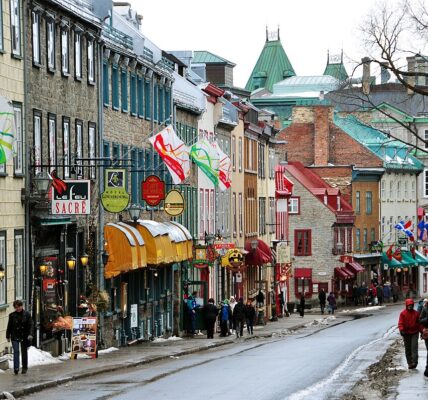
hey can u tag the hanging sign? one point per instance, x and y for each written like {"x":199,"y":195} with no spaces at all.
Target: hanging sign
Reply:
{"x":174,"y":203}
{"x":134,"y":315}
{"x":115,"y":198}
{"x":73,"y":199}
{"x":84,"y":337}
{"x":153,"y":190}
{"x":283,"y":253}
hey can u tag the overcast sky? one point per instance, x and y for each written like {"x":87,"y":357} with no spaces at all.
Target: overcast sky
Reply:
{"x":235,"y":29}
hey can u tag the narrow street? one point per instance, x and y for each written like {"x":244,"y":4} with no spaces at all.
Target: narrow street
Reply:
{"x":308,"y":365}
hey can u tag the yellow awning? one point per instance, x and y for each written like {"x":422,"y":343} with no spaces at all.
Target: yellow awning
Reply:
{"x":189,"y":241}
{"x":178,"y":237}
{"x":126,"y":249}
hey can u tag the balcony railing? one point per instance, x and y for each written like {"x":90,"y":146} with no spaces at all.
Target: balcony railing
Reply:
{"x":118,"y":36}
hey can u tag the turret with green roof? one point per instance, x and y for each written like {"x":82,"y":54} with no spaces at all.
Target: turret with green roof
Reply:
{"x":272,"y":66}
{"x":335,"y":67}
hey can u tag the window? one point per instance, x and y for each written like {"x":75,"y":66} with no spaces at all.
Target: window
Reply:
{"x":382,"y":227}
{"x":92,"y":149}
{"x":302,"y":242}
{"x":212,"y":213}
{"x":271,"y":163}
{"x":241,"y":219}
{"x":91,"y":61}
{"x":234,"y":152}
{"x":124,"y":89}
{"x":18,"y":142}
{"x":133,"y":90}
{"x":155,"y":102}
{"x":372,"y":235}
{"x":272,"y":215}
{"x":50,"y":43}
{"x":161,"y":105}
{"x":35,"y":30}
{"x":294,"y":205}
{"x":349,"y":240}
{"x":358,"y":239}
{"x":365,"y":243}
{"x":382,"y":190}
{"x":79,"y":148}
{"x":167,"y":106}
{"x":147,"y":101}
{"x":77,"y":55}
{"x":201,"y":214}
{"x":302,"y":285}
{"x":399,"y":190}
{"x":406,"y":190}
{"x":240,"y":154}
{"x":115,"y":86}
{"x":66,"y":145}
{"x":250,"y":154}
{"x":106,"y":85}
{"x":3,"y":261}
{"x":357,"y":202}
{"x":235,"y":215}
{"x":52,"y":141}
{"x":140,"y":96}
{"x":391,"y":190}
{"x":15,"y":26}
{"x":262,"y":215}
{"x":261,"y":164}
{"x":413,"y":198}
{"x":19,"y":265}
{"x":37,"y":140}
{"x":369,"y":202}
{"x":65,"y":55}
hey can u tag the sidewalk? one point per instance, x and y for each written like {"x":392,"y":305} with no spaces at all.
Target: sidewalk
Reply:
{"x":45,"y":376}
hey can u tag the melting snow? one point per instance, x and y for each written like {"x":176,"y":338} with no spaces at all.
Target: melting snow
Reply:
{"x":109,"y":350}
{"x":160,"y":340}
{"x":36,"y":357}
{"x":358,"y":310}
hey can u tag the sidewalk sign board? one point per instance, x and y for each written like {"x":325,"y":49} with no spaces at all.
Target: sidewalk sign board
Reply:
{"x":84,"y":337}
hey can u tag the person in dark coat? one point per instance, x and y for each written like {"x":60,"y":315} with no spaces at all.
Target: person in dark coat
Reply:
{"x":423,"y":320}
{"x":409,"y":327}
{"x":260,"y":299}
{"x":332,"y":305}
{"x":250,"y":315}
{"x":191,"y":309}
{"x":209,"y":311}
{"x":20,"y":332}
{"x":322,"y":298}
{"x":225,"y":314}
{"x":379,"y":292}
{"x":302,"y":305}
{"x":239,"y":317}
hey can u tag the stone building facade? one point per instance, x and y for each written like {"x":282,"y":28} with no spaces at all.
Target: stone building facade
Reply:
{"x":12,"y":173}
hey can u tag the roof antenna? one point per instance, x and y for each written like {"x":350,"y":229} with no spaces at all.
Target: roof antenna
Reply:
{"x":328,"y":56}
{"x":278,"y":33}
{"x":267,"y":34}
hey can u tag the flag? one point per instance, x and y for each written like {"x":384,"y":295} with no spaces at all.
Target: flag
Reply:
{"x":173,"y":152}
{"x":421,"y":227}
{"x":389,"y":252}
{"x":206,"y":157}
{"x":405,"y":228}
{"x":224,"y":168}
{"x":59,"y":185}
{"x":397,"y":254}
{"x":7,"y":130}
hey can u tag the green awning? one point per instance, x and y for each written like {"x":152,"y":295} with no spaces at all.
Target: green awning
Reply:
{"x":421,"y":259}
{"x":393,"y":263}
{"x":408,"y":260}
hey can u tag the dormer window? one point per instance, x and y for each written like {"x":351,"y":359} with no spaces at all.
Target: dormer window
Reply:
{"x":325,"y":199}
{"x":338,"y":203}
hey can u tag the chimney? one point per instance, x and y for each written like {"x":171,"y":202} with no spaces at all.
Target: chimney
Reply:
{"x":366,"y":75}
{"x":411,"y":80}
{"x":322,"y":135}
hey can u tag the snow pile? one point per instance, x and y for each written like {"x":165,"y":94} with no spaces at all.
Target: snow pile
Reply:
{"x":36,"y":357}
{"x":109,"y":350}
{"x":66,"y":356}
{"x":320,"y":321}
{"x":161,"y":340}
{"x":365,"y":309}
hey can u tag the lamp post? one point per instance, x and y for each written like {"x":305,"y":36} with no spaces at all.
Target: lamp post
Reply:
{"x":71,"y":262}
{"x":84,"y":259}
{"x":134,"y":211}
{"x":41,"y":181}
{"x":43,"y":268}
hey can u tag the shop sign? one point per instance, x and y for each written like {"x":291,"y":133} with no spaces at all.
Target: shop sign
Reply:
{"x":225,"y":246}
{"x":201,"y":257}
{"x":74,"y":199}
{"x":233,"y":259}
{"x":115,"y":198}
{"x":174,"y":203}
{"x":283,"y":255}
{"x":153,"y":190}
{"x":84,"y":337}
{"x":134,"y":315}
{"x":346,"y":259}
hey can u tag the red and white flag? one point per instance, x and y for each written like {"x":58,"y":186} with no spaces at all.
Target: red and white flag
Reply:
{"x":224,"y":169}
{"x":173,"y":152}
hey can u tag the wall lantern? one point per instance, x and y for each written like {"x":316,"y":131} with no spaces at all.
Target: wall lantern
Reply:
{"x":41,"y":181}
{"x":134,"y":211}
{"x":43,"y":268}
{"x":84,"y":259}
{"x":71,"y":262}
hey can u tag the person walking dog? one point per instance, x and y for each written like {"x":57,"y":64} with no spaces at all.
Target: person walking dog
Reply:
{"x":20,"y":332}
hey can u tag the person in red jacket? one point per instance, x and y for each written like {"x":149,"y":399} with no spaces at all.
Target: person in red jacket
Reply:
{"x":409,"y":327}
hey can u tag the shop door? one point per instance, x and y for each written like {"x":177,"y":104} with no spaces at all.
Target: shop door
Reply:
{"x":201,"y":287}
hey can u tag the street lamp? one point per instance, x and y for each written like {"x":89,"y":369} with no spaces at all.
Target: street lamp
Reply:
{"x":2,"y":272}
{"x":84,"y":259}
{"x":134,"y":211}
{"x":104,"y":257}
{"x":43,"y":268}
{"x":41,"y":180}
{"x":71,"y":262}
{"x":254,"y":244}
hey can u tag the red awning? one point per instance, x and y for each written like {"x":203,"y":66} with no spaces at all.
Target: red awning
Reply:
{"x":348,"y":272}
{"x":259,"y":256}
{"x":355,"y":267}
{"x":303,"y":273}
{"x":340,"y":273}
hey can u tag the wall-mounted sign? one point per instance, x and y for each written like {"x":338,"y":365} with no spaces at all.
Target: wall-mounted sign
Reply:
{"x":283,"y":255}
{"x":346,"y":259}
{"x":201,"y":257}
{"x":115,"y":198}
{"x":153,"y":190}
{"x":233,"y":259}
{"x":134,"y":315}
{"x":75,"y":198}
{"x":174,"y":203}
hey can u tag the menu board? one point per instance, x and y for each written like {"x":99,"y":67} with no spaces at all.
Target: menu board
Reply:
{"x":84,"y":337}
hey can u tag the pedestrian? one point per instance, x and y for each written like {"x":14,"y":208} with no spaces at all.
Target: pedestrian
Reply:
{"x":239,"y":317}
{"x":423,"y":320}
{"x":209,"y":311}
{"x":260,"y":299}
{"x":321,"y":298}
{"x":225,"y":315}
{"x":395,"y":291}
{"x":191,"y":307}
{"x":302,"y":305}
{"x":232,"y":324}
{"x":281,"y":303}
{"x":332,"y":305}
{"x":387,"y":292}
{"x":355,"y":294}
{"x":379,"y":292}
{"x":409,"y":327}
{"x":20,"y":332}
{"x":364,"y":293}
{"x":250,"y":315}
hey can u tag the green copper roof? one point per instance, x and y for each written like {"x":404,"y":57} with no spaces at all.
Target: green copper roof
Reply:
{"x":395,"y":155}
{"x":272,"y":66}
{"x":205,"y":57}
{"x":337,"y":71}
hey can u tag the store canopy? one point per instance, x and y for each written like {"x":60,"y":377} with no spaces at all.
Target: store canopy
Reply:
{"x":407,"y":259}
{"x":189,"y":238}
{"x":179,"y":239}
{"x":305,"y":273}
{"x":258,"y":256}
{"x":391,"y":263}
{"x":421,"y":259}
{"x":355,"y":267}
{"x":341,"y":273}
{"x":126,"y":249}
{"x":348,"y":271}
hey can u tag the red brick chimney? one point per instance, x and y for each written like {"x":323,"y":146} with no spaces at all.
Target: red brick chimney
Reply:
{"x":322,"y":135}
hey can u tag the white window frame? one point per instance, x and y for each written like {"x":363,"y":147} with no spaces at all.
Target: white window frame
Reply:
{"x":77,"y":55}
{"x":382,"y":189}
{"x":235,"y":214}
{"x":240,"y":154}
{"x":413,"y":198}
{"x":391,"y":190}
{"x":79,"y":148}
{"x":18,"y":159}
{"x":66,"y":145}
{"x":52,"y":141}
{"x":19,"y":266}
{"x":92,"y":149}
{"x":65,"y":51}
{"x":15,"y":27}
{"x":3,"y":261}
{"x":241,"y":214}
{"x":50,"y":44}
{"x":250,"y":154}
{"x":272,"y":213}
{"x":35,"y":29}
{"x":201,"y":214}
{"x":399,"y":190}
{"x":233,"y":152}
{"x":38,"y":144}
{"x":294,"y":205}
{"x":91,"y":61}
{"x":406,"y":190}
